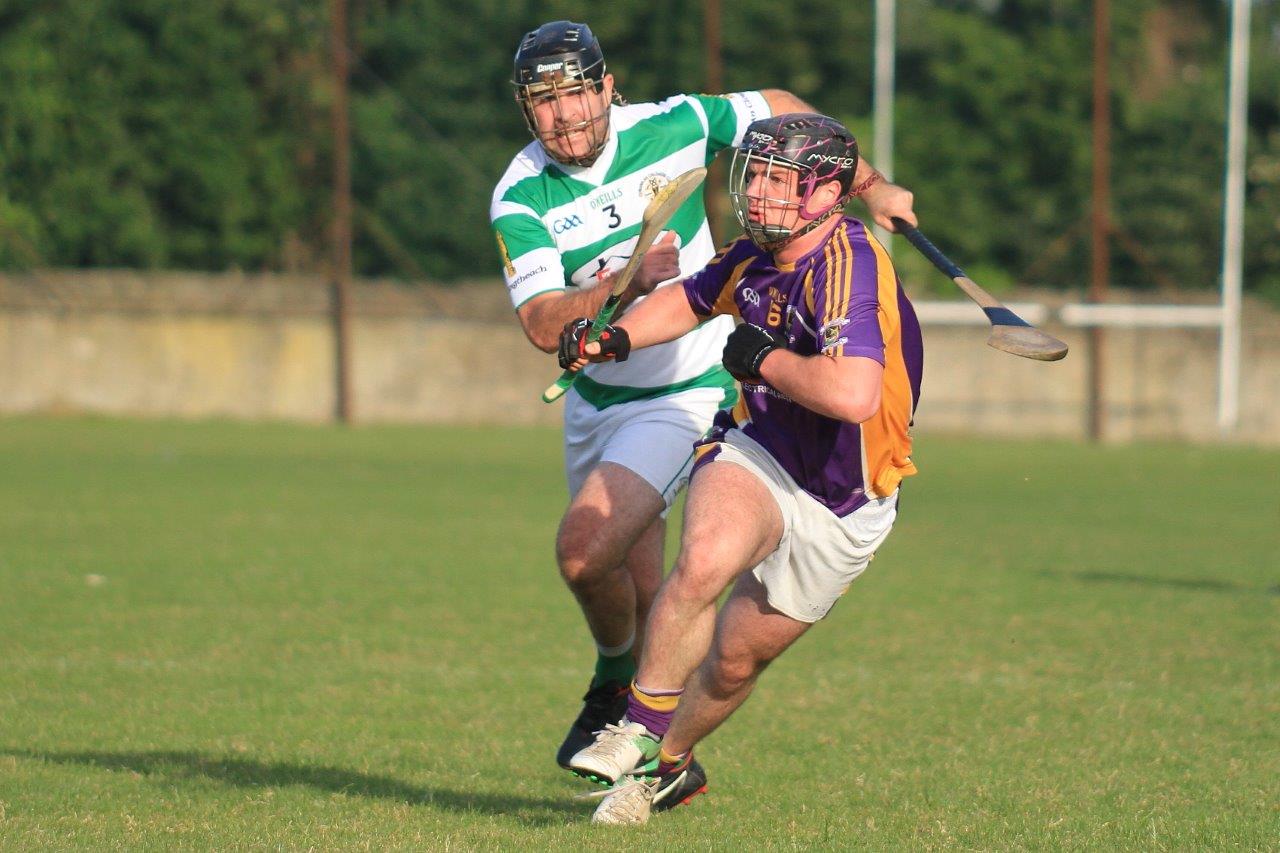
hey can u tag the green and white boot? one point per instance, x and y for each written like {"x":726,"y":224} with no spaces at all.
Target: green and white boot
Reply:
{"x":617,"y":751}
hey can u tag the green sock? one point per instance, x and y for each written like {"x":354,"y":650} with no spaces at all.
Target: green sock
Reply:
{"x":615,"y":663}
{"x":620,"y":668}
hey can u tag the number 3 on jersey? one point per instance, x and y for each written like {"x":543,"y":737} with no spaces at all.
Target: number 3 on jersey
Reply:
{"x":614,"y":219}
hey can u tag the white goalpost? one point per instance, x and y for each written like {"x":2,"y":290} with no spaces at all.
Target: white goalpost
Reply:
{"x":1225,"y":316}
{"x":1233,"y":218}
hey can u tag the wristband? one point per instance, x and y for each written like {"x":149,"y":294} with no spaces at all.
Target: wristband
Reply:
{"x":867,"y":184}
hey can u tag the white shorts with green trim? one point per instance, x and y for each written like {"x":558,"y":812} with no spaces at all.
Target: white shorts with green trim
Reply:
{"x":652,"y":437}
{"x":820,"y":554}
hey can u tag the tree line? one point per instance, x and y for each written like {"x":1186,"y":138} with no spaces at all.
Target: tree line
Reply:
{"x":157,"y":134}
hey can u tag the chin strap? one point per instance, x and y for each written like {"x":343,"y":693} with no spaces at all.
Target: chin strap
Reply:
{"x":781,"y":242}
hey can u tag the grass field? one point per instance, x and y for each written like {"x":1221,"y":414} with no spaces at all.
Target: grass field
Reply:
{"x":225,"y":636}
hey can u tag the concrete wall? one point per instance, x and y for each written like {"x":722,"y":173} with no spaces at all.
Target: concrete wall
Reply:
{"x":261,"y":347}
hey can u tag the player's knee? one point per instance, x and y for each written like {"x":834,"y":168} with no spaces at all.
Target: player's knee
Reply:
{"x":697,"y":579}
{"x":578,"y":556}
{"x":575,"y":568}
{"x":731,"y":671}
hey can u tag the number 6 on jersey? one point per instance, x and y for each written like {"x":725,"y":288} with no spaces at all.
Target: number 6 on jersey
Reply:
{"x":656,"y":215}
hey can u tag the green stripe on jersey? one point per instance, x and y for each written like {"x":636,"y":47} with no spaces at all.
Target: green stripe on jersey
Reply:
{"x":547,"y":189}
{"x":522,"y":233}
{"x":722,"y":122}
{"x":603,"y":396}
{"x":652,"y":139}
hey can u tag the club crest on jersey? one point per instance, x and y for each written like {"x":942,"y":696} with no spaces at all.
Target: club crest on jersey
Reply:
{"x":651,"y":185}
{"x":831,"y":332}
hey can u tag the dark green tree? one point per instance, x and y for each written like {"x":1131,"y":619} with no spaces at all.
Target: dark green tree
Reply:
{"x":150,"y":133}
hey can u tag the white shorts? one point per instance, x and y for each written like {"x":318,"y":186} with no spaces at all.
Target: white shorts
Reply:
{"x":653,"y":438}
{"x":819,"y":554}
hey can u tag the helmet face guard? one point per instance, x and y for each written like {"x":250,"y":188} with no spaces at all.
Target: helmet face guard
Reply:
{"x":768,"y":215}
{"x":777,"y":168}
{"x":556,"y":63}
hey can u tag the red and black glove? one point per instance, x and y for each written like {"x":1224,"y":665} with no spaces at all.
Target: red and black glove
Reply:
{"x":614,"y":343}
{"x":746,"y":349}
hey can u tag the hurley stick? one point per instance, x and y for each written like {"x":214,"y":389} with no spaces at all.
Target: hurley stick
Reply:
{"x":1009,"y":332}
{"x":656,"y":215}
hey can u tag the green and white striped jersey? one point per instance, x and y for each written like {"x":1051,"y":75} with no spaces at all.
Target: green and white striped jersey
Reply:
{"x":558,"y":226}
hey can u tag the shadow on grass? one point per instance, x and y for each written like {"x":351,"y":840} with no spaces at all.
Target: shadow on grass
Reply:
{"x":1196,"y":584}
{"x":249,"y":773}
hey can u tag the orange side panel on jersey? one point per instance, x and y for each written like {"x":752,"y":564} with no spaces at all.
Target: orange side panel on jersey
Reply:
{"x":839,"y":257}
{"x":886,"y":439}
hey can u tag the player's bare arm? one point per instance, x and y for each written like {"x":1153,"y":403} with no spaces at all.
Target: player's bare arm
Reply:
{"x":543,"y":317}
{"x":663,"y":317}
{"x":846,"y":388}
{"x":781,"y":101}
{"x":843,"y":387}
{"x":885,"y":200}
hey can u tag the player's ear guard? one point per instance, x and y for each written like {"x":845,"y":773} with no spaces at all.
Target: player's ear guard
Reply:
{"x":615,"y":343}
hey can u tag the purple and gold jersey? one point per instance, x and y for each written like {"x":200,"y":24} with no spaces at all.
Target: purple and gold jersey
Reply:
{"x":841,"y":299}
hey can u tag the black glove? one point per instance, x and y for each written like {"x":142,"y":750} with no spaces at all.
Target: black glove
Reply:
{"x":746,"y":349}
{"x":614,"y":343}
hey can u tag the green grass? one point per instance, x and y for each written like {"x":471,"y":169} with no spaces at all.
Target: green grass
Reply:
{"x":224,"y":636}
